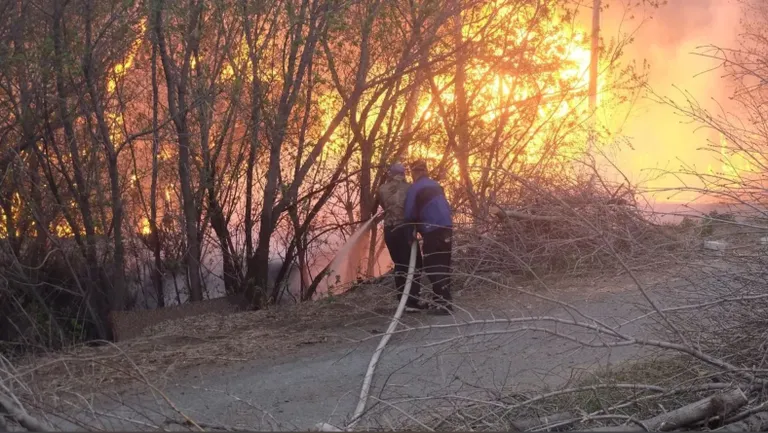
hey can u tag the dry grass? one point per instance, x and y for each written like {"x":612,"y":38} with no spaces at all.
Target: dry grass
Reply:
{"x":683,"y":380}
{"x":177,"y":345}
{"x":636,"y":390}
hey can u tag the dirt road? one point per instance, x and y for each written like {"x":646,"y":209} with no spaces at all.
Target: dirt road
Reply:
{"x":423,"y":369}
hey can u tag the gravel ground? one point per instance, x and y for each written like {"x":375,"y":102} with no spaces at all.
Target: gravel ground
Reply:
{"x":423,"y":371}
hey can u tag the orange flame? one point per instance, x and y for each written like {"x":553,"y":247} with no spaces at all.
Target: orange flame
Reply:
{"x":15,"y":212}
{"x":144,"y":227}
{"x":119,"y":70}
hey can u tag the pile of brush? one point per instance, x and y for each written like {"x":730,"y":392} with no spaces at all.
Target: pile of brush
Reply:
{"x":555,"y":230}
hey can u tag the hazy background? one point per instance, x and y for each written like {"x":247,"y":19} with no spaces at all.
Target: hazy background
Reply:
{"x":667,"y":38}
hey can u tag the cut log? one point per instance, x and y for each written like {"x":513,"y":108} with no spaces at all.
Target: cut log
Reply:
{"x":753,"y":423}
{"x":716,"y":405}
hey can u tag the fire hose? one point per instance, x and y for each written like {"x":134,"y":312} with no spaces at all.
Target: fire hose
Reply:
{"x":365,"y":390}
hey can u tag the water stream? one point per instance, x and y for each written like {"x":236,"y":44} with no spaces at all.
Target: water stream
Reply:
{"x":351,"y":259}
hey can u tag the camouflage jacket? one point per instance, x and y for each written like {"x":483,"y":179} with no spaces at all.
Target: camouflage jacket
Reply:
{"x":392,"y":200}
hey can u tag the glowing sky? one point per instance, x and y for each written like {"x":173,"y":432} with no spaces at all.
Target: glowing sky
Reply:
{"x":668,"y":42}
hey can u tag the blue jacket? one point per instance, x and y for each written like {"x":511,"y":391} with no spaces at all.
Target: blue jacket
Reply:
{"x":426,"y":206}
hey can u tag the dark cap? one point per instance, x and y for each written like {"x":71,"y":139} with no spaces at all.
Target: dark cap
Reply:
{"x":419,"y":165}
{"x":396,"y":169}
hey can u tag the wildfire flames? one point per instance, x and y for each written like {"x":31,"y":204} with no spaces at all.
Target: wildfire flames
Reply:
{"x":525,"y":67}
{"x":733,"y":164}
{"x":563,"y":55}
{"x":496,"y":90}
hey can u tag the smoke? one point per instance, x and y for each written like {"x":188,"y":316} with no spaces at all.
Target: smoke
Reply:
{"x":668,"y":39}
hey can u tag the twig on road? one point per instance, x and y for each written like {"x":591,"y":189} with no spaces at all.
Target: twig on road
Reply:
{"x":365,"y":390}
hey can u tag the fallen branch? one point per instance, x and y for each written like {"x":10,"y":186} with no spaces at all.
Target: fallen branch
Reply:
{"x":384,"y":340}
{"x":763,"y":407}
{"x":752,"y":423}
{"x":716,"y":405}
{"x":20,"y":416}
{"x":605,"y":412}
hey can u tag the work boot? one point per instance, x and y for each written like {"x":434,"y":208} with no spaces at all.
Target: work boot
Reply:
{"x":415,"y":307}
{"x":441,"y":308}
{"x":412,"y":305}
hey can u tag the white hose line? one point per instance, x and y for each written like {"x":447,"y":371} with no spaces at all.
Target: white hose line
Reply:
{"x":365,"y":390}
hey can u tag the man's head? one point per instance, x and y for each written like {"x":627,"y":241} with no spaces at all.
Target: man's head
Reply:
{"x":418,"y":169}
{"x":396,"y":170}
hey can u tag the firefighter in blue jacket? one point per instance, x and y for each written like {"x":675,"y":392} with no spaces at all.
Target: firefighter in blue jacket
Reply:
{"x":427,"y":209}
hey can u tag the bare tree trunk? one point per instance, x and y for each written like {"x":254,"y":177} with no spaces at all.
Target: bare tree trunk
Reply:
{"x":208,"y":174}
{"x":594,"y":55}
{"x":251,"y":162}
{"x":189,"y":205}
{"x":177,"y":105}
{"x":118,"y":293}
{"x":367,"y":193}
{"x":231,"y":272}
{"x":37,"y":201}
{"x":297,"y":248}
{"x":366,"y":145}
{"x":95,"y":294}
{"x":27,"y":120}
{"x":462,"y":109}
{"x":256,"y":277}
{"x":157,"y":272}
{"x":258,"y":264}
{"x":254,"y":55}
{"x":118,"y":297}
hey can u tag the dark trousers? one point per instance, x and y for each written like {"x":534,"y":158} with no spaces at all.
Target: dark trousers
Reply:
{"x":398,"y":243}
{"x":437,"y":261}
